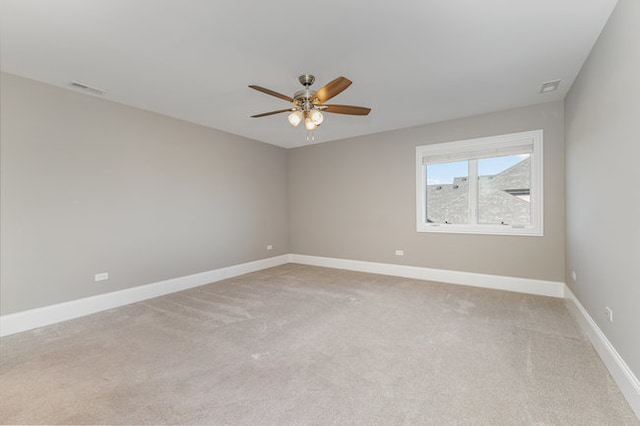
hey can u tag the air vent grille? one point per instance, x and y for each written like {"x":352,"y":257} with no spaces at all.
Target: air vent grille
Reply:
{"x":549,"y":86}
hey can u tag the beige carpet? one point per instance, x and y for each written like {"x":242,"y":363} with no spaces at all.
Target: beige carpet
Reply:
{"x":306,"y":345}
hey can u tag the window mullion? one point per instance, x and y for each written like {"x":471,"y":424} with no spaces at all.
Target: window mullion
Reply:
{"x":473,"y":192}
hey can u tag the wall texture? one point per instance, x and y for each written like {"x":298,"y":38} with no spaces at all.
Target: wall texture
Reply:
{"x":603,"y":201}
{"x":91,"y":186}
{"x":355,"y":199}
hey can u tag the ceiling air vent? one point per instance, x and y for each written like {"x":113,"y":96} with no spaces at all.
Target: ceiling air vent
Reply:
{"x":87,"y":88}
{"x":549,"y":86}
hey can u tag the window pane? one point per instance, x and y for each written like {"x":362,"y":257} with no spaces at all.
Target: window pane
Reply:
{"x":504,"y":187}
{"x":448,"y":192}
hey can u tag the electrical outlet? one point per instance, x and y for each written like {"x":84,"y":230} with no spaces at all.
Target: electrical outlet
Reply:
{"x":608,"y":313}
{"x":101,"y":276}
{"x":574,"y":275}
{"x":399,"y":252}
{"x":269,"y":247}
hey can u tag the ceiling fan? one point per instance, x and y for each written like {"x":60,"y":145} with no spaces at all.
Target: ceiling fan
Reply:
{"x":310,"y":104}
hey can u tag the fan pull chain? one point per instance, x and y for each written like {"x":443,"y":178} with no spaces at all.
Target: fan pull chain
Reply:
{"x":310,"y":136}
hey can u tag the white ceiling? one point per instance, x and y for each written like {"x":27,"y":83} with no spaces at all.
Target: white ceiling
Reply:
{"x":412,"y":61}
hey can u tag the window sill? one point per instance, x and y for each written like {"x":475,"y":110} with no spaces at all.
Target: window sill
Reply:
{"x":529,"y":231}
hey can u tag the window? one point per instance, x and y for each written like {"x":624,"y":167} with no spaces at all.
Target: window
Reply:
{"x":483,"y":186}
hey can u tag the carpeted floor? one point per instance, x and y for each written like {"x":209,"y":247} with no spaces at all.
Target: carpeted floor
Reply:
{"x":306,"y":345}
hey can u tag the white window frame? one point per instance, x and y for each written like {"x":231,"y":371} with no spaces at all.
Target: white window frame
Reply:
{"x":482,"y":148}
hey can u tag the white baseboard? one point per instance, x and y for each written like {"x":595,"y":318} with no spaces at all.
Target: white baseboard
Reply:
{"x":497,"y":282}
{"x":47,"y":315}
{"x":620,"y":371}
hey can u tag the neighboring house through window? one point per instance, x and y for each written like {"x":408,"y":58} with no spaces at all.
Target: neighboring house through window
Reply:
{"x":487,"y":186}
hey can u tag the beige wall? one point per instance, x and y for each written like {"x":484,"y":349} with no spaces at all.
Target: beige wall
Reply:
{"x":603,"y":196}
{"x":355,"y":199}
{"x":92,"y":186}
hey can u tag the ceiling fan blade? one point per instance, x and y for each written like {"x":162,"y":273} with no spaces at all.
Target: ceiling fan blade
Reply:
{"x":272,"y":93}
{"x":264,"y":114}
{"x":332,"y":89}
{"x":346,"y":109}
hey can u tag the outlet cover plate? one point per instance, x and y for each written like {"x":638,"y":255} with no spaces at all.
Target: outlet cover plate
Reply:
{"x":101,"y":276}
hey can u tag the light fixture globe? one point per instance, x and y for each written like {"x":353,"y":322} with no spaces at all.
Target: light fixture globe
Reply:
{"x":295,"y":118}
{"x":316,"y":116}
{"x":309,"y":124}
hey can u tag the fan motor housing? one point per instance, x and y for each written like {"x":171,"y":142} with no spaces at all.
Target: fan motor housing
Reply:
{"x":302,"y":96}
